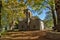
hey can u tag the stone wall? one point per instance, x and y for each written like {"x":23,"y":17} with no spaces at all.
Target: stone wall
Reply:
{"x":33,"y":25}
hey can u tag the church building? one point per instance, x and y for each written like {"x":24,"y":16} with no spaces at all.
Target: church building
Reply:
{"x":30,"y":23}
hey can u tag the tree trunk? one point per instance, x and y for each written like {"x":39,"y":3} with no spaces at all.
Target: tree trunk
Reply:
{"x":57,"y":6}
{"x":0,"y":11}
{"x":54,"y":17}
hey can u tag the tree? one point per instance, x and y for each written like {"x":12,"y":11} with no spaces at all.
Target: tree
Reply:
{"x":12,"y":12}
{"x":57,"y":6}
{"x":51,"y":7}
{"x":0,"y":12}
{"x":48,"y":21}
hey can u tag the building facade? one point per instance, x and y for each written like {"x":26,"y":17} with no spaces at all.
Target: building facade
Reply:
{"x":34,"y":24}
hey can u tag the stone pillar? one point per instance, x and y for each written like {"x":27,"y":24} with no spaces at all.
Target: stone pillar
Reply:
{"x":42,"y":25}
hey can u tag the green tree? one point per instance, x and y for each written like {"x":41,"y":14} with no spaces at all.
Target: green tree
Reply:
{"x":51,"y":6}
{"x":57,"y":6}
{"x":48,"y":21}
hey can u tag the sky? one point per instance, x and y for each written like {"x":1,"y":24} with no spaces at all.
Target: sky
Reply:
{"x":41,"y":16}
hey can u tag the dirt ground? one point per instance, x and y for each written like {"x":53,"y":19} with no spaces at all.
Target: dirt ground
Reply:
{"x":31,"y":35}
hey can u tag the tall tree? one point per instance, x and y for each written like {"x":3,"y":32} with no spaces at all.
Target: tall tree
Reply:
{"x":57,"y":6}
{"x":12,"y":10}
{"x":0,"y":11}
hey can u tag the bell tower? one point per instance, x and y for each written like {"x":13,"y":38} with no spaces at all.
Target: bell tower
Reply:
{"x":27,"y":13}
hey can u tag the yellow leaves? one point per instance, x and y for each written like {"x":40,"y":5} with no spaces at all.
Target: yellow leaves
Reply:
{"x":36,"y":1}
{"x":29,"y":1}
{"x":14,"y":10}
{"x":51,"y":2}
{"x":3,"y":3}
{"x":16,"y":22}
{"x":15,"y":2}
{"x":23,"y":15}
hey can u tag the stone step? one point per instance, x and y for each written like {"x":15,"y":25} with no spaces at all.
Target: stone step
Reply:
{"x":23,"y":33}
{"x":17,"y":35}
{"x":27,"y":37}
{"x":30,"y":35}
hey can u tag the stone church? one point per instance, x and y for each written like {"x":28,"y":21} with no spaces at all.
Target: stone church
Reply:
{"x":29,"y":23}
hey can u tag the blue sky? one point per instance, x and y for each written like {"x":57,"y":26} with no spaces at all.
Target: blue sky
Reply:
{"x":41,"y":16}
